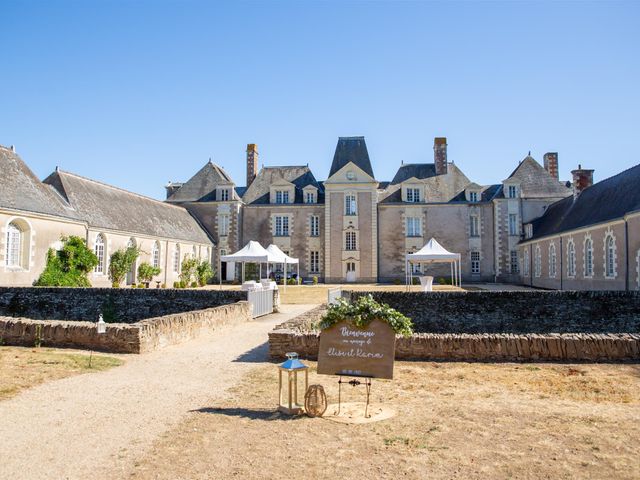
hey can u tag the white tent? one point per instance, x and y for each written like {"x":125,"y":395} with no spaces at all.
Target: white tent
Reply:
{"x":433,"y":252}
{"x":252,"y":252}
{"x":278,"y":256}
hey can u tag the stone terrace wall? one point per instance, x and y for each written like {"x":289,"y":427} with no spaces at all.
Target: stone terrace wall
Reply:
{"x":145,"y":336}
{"x":126,"y":305}
{"x":518,"y":312}
{"x":485,"y":347}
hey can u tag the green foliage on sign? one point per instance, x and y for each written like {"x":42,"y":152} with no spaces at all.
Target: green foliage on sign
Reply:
{"x":362,"y":312}
{"x":69,"y":266}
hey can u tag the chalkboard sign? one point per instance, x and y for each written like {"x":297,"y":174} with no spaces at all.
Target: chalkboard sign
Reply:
{"x":359,"y":352}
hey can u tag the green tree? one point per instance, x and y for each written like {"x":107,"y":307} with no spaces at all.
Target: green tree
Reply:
{"x":120,"y":263}
{"x":204,"y":272}
{"x":146,"y":272}
{"x":189,"y":271}
{"x":69,"y":266}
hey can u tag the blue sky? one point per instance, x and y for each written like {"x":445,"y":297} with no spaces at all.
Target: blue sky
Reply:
{"x":139,"y":93}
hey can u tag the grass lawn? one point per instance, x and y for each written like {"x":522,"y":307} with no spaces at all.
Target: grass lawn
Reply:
{"x":22,"y":367}
{"x":311,"y":294}
{"x":454,"y":420}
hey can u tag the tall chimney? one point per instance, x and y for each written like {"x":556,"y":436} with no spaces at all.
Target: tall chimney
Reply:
{"x":440,"y":155}
{"x":582,"y":179}
{"x":252,"y":162}
{"x":551,"y":164}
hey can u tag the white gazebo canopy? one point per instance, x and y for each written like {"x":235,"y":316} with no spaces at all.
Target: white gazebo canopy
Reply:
{"x":278,"y":256}
{"x":433,"y":252}
{"x":252,"y":252}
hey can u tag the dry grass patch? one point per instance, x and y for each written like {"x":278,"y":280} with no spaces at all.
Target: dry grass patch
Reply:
{"x":454,"y":420}
{"x":22,"y":368}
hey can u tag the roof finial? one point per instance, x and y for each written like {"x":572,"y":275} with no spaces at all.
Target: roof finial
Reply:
{"x":210,"y":160}
{"x":529,"y":153}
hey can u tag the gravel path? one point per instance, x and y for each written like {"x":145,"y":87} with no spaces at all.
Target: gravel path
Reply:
{"x":95,"y":425}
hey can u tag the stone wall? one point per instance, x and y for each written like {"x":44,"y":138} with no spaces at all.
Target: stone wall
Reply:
{"x":538,"y":312}
{"x":483,"y":347}
{"x":125,"y":305}
{"x":145,"y":336}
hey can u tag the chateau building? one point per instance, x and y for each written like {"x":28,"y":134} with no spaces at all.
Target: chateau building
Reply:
{"x":353,"y":227}
{"x":34,"y":215}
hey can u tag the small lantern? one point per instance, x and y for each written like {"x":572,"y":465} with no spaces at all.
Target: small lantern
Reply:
{"x":101,"y":326}
{"x":292,"y":366}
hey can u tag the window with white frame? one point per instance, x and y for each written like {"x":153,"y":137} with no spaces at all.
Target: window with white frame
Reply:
{"x":525,"y":266}
{"x":513,"y":224}
{"x":537,"y":262}
{"x":314,"y":261}
{"x":314,"y":225}
{"x":98,"y":249}
{"x":281,"y":226}
{"x":610,"y":256}
{"x":14,"y":243}
{"x":194,"y":252}
{"x":350,"y":207}
{"x":528,"y":230}
{"x":512,"y":191}
{"x":515,"y":268}
{"x":176,"y":259}
{"x":223,"y":225}
{"x":413,"y":195}
{"x":473,"y":197}
{"x":571,"y":259}
{"x":474,"y":225}
{"x":475,"y":263}
{"x":414,"y":226}
{"x":309,"y":197}
{"x":155,"y":254}
{"x":552,"y":260}
{"x":588,"y":258}
{"x":282,"y":196}
{"x":350,"y":241}
{"x":224,"y":194}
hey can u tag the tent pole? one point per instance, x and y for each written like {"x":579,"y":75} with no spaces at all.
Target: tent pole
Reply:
{"x":242,"y":272}
{"x":459,"y":274}
{"x":298,"y":277}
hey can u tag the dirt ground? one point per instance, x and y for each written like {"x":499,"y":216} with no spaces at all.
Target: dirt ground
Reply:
{"x":22,"y":367}
{"x":454,"y":420}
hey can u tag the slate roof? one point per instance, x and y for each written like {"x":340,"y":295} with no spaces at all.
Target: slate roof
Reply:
{"x":605,"y":201}
{"x":417,"y":170}
{"x":108,"y":207}
{"x":258,"y":192}
{"x":202,"y":186}
{"x":21,"y":190}
{"x":351,"y":149}
{"x":536,"y":182}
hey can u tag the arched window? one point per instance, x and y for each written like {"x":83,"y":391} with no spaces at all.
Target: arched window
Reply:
{"x":610,"y":257}
{"x":98,"y":249}
{"x":571,"y":259}
{"x":13,"y":254}
{"x":176,"y":259}
{"x":588,"y":258}
{"x":552,"y":260}
{"x":155,"y":254}
{"x":537,"y":262}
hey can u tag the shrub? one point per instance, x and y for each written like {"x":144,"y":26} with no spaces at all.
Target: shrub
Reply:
{"x":416,"y":281}
{"x":146,"y":272}
{"x":291,"y":281}
{"x":188,"y":270}
{"x":204,"y":272}
{"x":142,"y":285}
{"x":69,"y":266}
{"x":397,"y":281}
{"x":163,"y":285}
{"x":120,"y":263}
{"x":362,"y":312}
{"x":194,"y":284}
{"x":176,"y":285}
{"x":315,"y":280}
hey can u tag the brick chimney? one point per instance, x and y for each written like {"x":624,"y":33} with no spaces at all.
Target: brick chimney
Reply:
{"x":582,"y":179}
{"x":440,"y":155}
{"x":551,"y":164}
{"x":252,"y":162}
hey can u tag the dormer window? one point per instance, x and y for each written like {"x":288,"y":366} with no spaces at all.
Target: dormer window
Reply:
{"x":413,"y":195}
{"x":282,"y":196}
{"x":473,"y":197}
{"x":224,"y":195}
{"x":512,"y":191}
{"x":309,"y":197}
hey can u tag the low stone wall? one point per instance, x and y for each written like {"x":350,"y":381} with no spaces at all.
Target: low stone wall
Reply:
{"x":117,"y":305}
{"x":518,"y":312}
{"x":483,"y":347}
{"x":145,"y":336}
